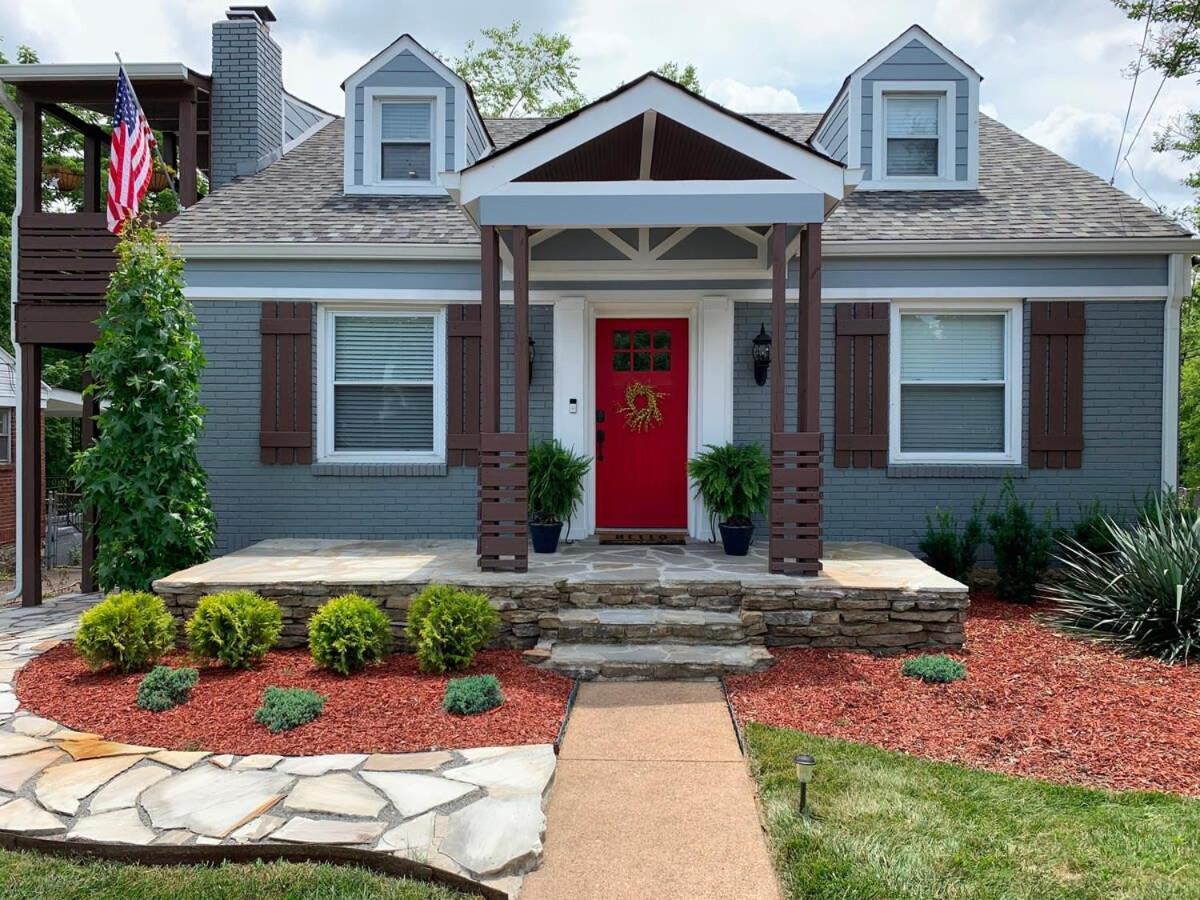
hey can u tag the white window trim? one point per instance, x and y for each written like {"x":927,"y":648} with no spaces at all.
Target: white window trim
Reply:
{"x":325,"y":359}
{"x":6,"y":419}
{"x":1013,"y":386}
{"x":946,"y":92}
{"x":373,"y":100}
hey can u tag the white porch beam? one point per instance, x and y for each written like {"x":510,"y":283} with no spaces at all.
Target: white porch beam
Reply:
{"x":649,"y":120}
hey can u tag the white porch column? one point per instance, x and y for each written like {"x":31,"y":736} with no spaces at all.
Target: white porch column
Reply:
{"x":571,"y":427}
{"x":714,"y":409}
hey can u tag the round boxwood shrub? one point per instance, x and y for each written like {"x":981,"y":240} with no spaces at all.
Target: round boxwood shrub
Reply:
{"x":235,"y":627}
{"x":129,"y":631}
{"x":472,"y":695}
{"x":448,"y":627}
{"x":286,"y":708}
{"x":165,"y":687}
{"x":934,"y":668}
{"x":348,"y":633}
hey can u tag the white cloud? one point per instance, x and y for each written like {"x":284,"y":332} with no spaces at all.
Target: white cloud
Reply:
{"x":751,"y":97}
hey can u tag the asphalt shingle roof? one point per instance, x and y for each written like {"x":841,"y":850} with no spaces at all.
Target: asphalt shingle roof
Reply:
{"x":1025,"y":192}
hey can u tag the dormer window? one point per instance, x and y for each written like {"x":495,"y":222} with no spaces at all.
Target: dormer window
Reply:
{"x":913,"y":129}
{"x":406,"y":141}
{"x":403,"y":140}
{"x":913,"y":135}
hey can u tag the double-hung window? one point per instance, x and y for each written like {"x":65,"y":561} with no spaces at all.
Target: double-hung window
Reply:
{"x":383,"y":385}
{"x":6,"y":420}
{"x":406,"y":138}
{"x":956,"y":390}
{"x":913,"y":125}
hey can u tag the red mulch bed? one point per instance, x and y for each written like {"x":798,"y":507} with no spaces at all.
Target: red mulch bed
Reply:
{"x":389,"y":708}
{"x":1034,"y":703}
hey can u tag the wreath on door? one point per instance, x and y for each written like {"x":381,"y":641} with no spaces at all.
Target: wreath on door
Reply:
{"x":641,"y":406}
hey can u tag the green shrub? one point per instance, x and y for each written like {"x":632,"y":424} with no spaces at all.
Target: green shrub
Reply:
{"x":472,"y":695}
{"x":236,"y":627}
{"x":286,"y":708}
{"x":165,"y":687}
{"x":128,"y":631}
{"x":1021,"y":547}
{"x":448,"y":627}
{"x":555,"y":481}
{"x":1144,"y":596}
{"x":734,"y":481}
{"x":143,"y":476}
{"x":934,"y":668}
{"x":1090,"y":529}
{"x":349,"y":633}
{"x":946,"y":548}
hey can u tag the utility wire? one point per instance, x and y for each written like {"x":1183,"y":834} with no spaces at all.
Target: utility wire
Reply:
{"x":1137,"y":70}
{"x":1142,"y":124}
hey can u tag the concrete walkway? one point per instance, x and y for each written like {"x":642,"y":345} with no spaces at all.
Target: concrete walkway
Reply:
{"x":652,"y":799}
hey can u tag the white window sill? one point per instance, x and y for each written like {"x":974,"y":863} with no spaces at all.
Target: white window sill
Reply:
{"x":378,"y":469}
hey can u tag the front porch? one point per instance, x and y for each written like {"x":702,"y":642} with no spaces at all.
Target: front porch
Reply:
{"x":615,"y":611}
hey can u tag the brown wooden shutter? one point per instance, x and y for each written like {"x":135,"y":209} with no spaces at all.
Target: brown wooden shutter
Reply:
{"x":860,"y":384}
{"x":285,"y":435}
{"x":1056,"y":385}
{"x":464,"y":333}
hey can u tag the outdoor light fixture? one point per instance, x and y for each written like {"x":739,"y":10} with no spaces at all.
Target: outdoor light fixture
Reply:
{"x":761,"y":353}
{"x":532,"y":354}
{"x":804,"y":771}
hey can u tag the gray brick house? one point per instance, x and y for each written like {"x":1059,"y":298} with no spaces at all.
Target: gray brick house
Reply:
{"x":387,"y":294}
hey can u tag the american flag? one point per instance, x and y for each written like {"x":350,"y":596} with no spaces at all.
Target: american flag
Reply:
{"x":130,"y":159}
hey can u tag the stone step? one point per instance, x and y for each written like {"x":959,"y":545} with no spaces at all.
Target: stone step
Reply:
{"x":656,"y":661}
{"x":655,"y":624}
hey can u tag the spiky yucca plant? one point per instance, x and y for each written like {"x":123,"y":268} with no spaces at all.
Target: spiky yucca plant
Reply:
{"x":1144,"y":595}
{"x":733,"y":481}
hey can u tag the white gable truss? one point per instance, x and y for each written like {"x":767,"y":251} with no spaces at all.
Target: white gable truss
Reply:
{"x":808,"y":174}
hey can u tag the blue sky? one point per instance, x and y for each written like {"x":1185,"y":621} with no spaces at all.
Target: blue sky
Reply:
{"x":1054,"y":71}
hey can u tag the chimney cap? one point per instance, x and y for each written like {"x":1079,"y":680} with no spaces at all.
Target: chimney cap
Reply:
{"x":262,"y":13}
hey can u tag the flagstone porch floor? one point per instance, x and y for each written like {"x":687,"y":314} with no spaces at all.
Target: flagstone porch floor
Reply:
{"x":297,"y":561}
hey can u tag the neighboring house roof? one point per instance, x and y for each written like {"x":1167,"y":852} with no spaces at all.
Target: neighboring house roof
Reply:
{"x":55,"y":401}
{"x":1025,"y":192}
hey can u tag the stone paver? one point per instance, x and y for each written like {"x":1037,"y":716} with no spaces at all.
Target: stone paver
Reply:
{"x":484,"y":804}
{"x":125,"y":789}
{"x":652,"y":799}
{"x":122,"y":826}
{"x":339,"y":794}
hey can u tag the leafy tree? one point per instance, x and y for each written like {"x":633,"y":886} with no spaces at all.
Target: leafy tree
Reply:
{"x":684,"y":75}
{"x":142,"y":475}
{"x":516,"y":76}
{"x":1189,"y":392}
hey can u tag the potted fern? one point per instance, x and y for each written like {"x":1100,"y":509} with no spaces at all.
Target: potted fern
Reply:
{"x":555,"y":489}
{"x":734,"y":483}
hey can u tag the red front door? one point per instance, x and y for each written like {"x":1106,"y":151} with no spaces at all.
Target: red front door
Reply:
{"x":641,"y":457}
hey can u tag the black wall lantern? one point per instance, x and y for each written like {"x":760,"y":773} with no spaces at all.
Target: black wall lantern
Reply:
{"x":762,"y":355}
{"x":532,"y":354}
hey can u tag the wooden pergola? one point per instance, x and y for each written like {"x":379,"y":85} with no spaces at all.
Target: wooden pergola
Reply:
{"x":64,"y":259}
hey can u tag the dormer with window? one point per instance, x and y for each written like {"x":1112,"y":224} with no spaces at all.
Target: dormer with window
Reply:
{"x":908,"y":117}
{"x":409,"y":118}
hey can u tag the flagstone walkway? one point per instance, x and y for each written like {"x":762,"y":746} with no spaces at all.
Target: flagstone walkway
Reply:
{"x":652,"y":798}
{"x":474,"y":812}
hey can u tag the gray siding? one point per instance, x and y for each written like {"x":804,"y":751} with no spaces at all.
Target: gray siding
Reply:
{"x":1122,"y":433}
{"x":916,"y":62}
{"x":349,"y":274}
{"x":247,"y":99}
{"x":835,"y":133}
{"x":403,"y":70}
{"x":298,"y":117}
{"x":477,"y":142}
{"x":254,"y":501}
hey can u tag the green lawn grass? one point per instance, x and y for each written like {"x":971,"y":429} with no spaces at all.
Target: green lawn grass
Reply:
{"x":887,"y":825}
{"x":35,"y":876}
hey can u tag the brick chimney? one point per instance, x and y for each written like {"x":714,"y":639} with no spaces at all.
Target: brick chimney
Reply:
{"x":247,"y":94}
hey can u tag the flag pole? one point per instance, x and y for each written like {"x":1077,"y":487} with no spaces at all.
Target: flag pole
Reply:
{"x":157,"y":155}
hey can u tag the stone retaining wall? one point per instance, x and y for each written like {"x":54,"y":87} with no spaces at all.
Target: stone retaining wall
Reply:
{"x":879,"y":621}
